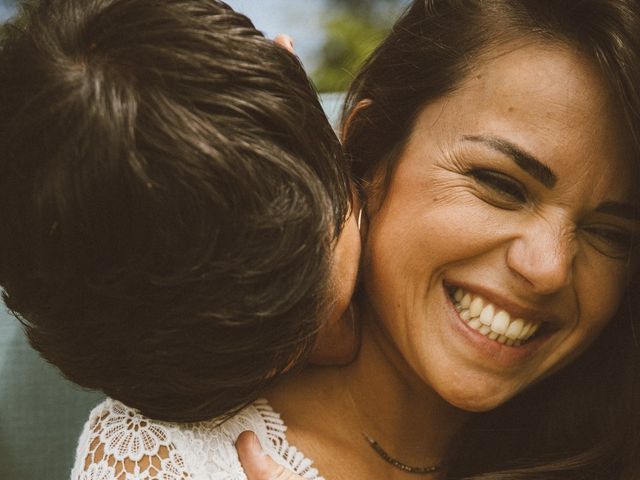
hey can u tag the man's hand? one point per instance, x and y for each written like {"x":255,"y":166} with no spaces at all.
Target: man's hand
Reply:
{"x":257,"y":464}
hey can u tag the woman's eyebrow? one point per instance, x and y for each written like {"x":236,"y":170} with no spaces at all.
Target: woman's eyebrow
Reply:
{"x":545,"y":175}
{"x":524,"y":160}
{"x":625,"y":211}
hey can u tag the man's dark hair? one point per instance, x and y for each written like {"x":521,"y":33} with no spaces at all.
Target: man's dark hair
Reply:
{"x":170,"y":194}
{"x":584,"y":421}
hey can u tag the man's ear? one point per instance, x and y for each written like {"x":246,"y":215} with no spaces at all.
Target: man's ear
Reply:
{"x":353,"y":116}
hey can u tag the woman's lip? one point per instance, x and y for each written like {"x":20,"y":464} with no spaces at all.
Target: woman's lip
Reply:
{"x":500,"y":355}
{"x":513,"y":309}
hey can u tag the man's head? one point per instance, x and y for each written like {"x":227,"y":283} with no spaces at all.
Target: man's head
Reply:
{"x":170,"y":193}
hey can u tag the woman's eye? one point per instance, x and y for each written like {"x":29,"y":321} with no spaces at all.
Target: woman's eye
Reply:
{"x":611,"y":241}
{"x":502,"y":184}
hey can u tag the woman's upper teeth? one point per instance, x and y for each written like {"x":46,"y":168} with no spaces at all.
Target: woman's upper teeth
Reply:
{"x":485,"y":317}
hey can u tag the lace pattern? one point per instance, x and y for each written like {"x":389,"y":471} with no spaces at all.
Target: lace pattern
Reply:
{"x":292,"y":458}
{"x":118,"y":443}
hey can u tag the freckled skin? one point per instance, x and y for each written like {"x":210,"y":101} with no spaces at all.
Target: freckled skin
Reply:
{"x":436,"y":223}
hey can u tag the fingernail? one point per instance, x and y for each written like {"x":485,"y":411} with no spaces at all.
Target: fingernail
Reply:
{"x":256,"y":446}
{"x":289,"y":41}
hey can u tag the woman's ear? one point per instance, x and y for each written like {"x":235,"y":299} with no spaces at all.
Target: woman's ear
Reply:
{"x":353,"y":116}
{"x":360,"y":191}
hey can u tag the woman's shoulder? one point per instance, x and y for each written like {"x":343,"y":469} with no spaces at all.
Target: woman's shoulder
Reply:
{"x":119,"y":442}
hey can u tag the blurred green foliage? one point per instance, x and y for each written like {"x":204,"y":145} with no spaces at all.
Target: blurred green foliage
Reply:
{"x":354,"y":28}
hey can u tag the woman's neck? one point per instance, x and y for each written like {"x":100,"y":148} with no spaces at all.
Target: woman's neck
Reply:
{"x":396,"y":407}
{"x":377,"y":395}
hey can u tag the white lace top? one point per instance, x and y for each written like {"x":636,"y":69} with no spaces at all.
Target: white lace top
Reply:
{"x":119,"y":443}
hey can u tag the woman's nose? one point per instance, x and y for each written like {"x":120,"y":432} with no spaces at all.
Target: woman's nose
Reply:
{"x":543,"y":257}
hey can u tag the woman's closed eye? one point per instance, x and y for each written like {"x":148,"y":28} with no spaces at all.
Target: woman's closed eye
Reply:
{"x":611,"y":241}
{"x":499,"y":189}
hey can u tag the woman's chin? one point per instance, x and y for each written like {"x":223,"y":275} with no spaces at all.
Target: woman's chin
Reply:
{"x":476,"y":400}
{"x":475,"y":405}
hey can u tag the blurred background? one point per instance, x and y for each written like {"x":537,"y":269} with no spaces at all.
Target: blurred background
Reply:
{"x":331,"y":37}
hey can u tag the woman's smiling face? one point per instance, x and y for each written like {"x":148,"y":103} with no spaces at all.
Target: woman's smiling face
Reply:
{"x":501,"y":247}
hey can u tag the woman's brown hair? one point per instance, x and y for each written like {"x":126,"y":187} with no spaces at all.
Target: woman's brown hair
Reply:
{"x":170,"y":195}
{"x":584,"y":421}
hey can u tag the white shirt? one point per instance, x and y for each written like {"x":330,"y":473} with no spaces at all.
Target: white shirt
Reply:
{"x":118,"y":442}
